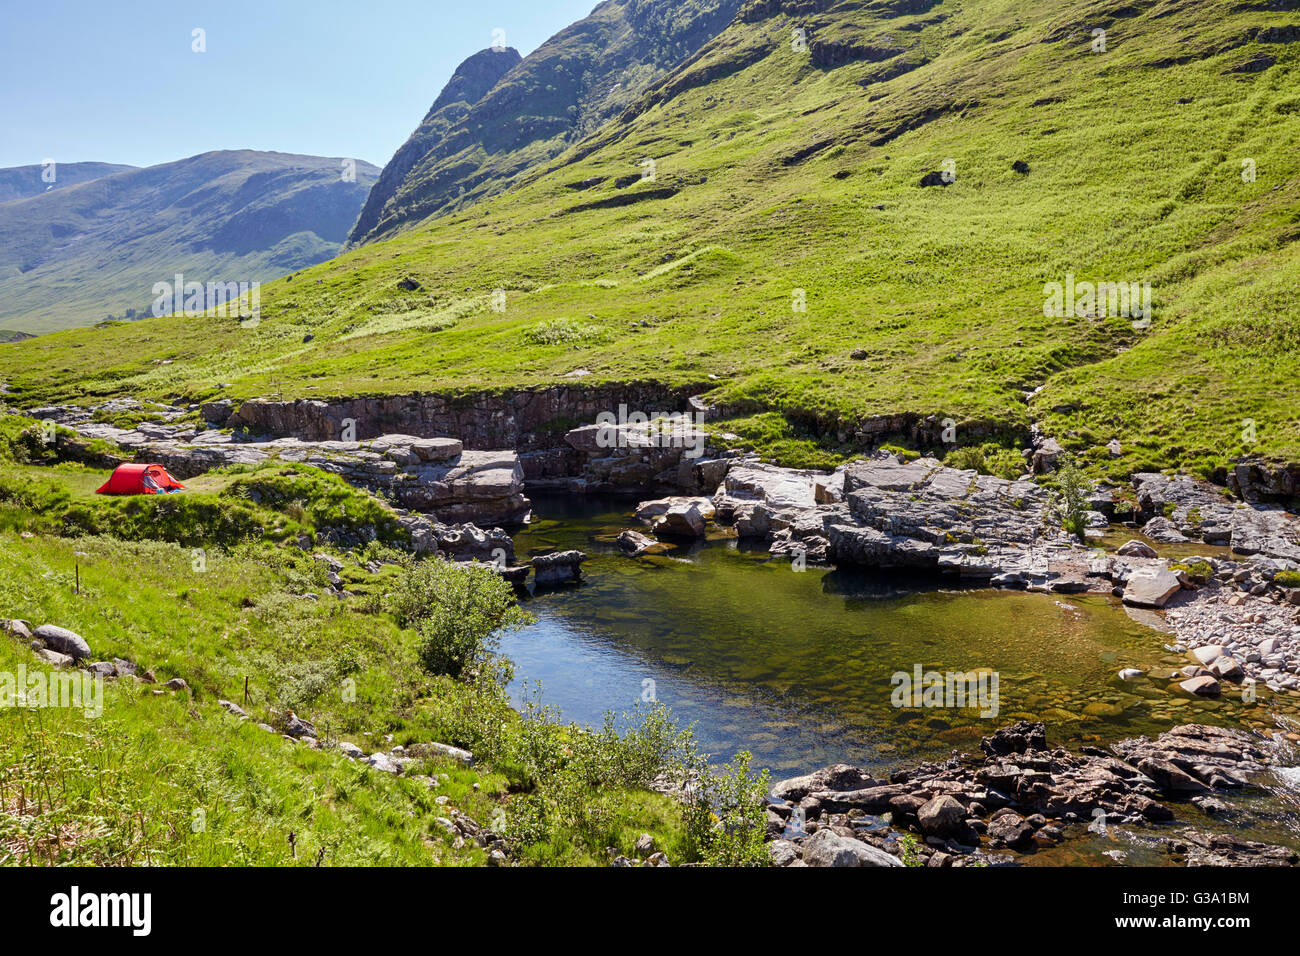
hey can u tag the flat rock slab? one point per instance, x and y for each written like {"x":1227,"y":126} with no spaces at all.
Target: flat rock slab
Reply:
{"x":1151,"y":587}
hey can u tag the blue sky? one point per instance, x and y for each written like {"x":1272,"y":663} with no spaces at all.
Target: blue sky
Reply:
{"x":118,"y":82}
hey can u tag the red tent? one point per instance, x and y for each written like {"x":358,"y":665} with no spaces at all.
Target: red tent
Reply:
{"x":139,"y":480}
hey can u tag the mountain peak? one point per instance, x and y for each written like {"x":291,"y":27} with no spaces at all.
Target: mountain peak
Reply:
{"x":477,"y":139}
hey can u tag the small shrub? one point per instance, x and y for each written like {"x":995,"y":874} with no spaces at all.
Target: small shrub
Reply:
{"x":1069,"y":500}
{"x":459,"y":613}
{"x":726,"y":819}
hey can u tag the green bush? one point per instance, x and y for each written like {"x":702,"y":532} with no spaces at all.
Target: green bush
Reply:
{"x":459,"y":611}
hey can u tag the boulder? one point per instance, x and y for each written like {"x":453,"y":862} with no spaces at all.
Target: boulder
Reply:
{"x":942,"y":816}
{"x":436,"y":449}
{"x":16,"y":628}
{"x":295,"y":726}
{"x":1151,"y":587}
{"x":685,"y":521}
{"x":1170,"y":778}
{"x":384,"y":763}
{"x":782,"y":852}
{"x":559,"y":567}
{"x":837,"y":777}
{"x":1008,"y":828}
{"x":827,"y":848}
{"x":54,"y":657}
{"x":1208,"y":654}
{"x":1201,"y":686}
{"x":636,"y":544}
{"x":1225,"y":668}
{"x":64,"y":641}
{"x":1136,"y":549}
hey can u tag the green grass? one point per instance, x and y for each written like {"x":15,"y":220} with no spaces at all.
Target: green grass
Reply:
{"x":194,"y":585}
{"x":941,"y":288}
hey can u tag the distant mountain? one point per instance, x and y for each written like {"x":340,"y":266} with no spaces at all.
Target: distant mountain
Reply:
{"x":83,"y":253}
{"x":23,"y":182}
{"x":501,"y":116}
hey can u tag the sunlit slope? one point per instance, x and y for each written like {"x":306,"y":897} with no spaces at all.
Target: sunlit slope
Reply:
{"x":778,"y":170}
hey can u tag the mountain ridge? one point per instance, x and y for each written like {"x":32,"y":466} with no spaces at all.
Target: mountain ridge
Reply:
{"x":101,"y":244}
{"x":562,"y":91}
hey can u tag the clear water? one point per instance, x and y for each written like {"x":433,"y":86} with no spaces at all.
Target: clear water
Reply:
{"x":796,"y":667}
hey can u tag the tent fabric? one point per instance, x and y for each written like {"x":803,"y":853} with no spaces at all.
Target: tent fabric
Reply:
{"x":137,"y":479}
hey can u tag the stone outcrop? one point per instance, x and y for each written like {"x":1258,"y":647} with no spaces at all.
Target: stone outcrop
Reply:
{"x":1185,"y":509}
{"x":1019,"y":796}
{"x":524,"y":420}
{"x":436,"y":476}
{"x":669,"y":453}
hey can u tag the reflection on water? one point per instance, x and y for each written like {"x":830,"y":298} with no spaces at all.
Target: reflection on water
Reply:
{"x":796,"y":667}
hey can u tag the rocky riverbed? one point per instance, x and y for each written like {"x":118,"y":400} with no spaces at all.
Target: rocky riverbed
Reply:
{"x":1021,"y":796}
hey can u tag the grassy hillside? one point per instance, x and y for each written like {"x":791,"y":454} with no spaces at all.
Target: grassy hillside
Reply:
{"x":780,"y":170}
{"x":79,"y":254}
{"x":203,"y":587}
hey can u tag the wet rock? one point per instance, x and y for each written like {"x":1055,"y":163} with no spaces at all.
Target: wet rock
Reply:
{"x":560,"y":567}
{"x":1204,"y":686}
{"x":1225,"y":849}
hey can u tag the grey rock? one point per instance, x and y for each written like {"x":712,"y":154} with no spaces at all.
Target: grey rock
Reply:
{"x":63,"y":640}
